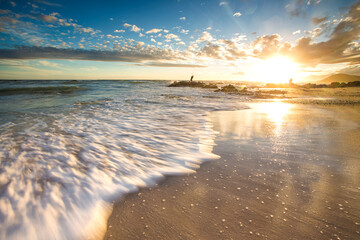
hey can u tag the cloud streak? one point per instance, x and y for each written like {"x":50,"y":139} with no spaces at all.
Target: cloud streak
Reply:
{"x":162,"y":64}
{"x":134,"y":55}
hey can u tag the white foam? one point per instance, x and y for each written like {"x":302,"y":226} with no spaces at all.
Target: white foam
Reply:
{"x":60,"y":171}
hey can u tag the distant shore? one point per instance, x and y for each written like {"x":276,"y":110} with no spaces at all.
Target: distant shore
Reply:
{"x":282,"y":175}
{"x":305,"y":94}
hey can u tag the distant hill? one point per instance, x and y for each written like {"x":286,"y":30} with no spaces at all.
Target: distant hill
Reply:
{"x":340,"y":78}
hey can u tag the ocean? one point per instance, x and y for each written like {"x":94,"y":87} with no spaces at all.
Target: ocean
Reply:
{"x":68,"y":149}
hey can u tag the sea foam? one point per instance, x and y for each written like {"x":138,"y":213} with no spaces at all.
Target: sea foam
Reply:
{"x":61,"y":171}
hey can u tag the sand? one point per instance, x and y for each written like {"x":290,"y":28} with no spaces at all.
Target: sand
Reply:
{"x":286,"y":171}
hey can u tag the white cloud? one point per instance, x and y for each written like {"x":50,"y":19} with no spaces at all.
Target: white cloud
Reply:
{"x":296,"y":32}
{"x":87,"y":30}
{"x":154,"y":30}
{"x":48,"y":64}
{"x":139,"y":44}
{"x":13,"y":4}
{"x":134,"y":28}
{"x":153,"y":40}
{"x":111,"y":19}
{"x":119,"y":31}
{"x":205,"y":37}
{"x":172,"y":36}
{"x":141,"y":35}
{"x":184,"y":31}
{"x":223,"y":3}
{"x":183,"y":18}
{"x":237,"y":14}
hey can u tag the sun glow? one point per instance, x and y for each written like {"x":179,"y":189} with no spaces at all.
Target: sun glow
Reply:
{"x":277,"y":69}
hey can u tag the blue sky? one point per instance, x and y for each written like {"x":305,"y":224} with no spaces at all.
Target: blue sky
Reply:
{"x":172,"y":39}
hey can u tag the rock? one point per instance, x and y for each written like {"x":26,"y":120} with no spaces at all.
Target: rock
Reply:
{"x":229,"y":89}
{"x":187,"y":84}
{"x":210,"y":85}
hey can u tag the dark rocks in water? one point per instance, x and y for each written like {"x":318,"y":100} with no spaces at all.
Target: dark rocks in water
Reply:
{"x":187,"y":84}
{"x":229,"y":89}
{"x":210,"y":85}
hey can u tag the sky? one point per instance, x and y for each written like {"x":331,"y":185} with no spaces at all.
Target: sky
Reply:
{"x":241,"y":40}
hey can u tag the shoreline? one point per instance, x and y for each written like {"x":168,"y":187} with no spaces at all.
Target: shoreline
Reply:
{"x":255,"y":190}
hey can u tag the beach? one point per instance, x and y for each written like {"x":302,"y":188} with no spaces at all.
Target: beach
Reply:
{"x":286,"y":171}
{"x":140,"y":160}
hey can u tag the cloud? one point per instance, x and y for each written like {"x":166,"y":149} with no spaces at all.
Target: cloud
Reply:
{"x":48,"y":3}
{"x":162,"y":64}
{"x":111,"y":19}
{"x":183,"y":18}
{"x":237,"y":14}
{"x":140,"y":44}
{"x":134,"y":28}
{"x":212,"y":51}
{"x":87,"y":30}
{"x":154,"y":30}
{"x":171,"y":36}
{"x":296,"y":32}
{"x":13,"y":4}
{"x":340,"y":46}
{"x":128,"y":55}
{"x":298,"y":8}
{"x":205,"y":37}
{"x":223,"y":3}
{"x":318,"y":20}
{"x":48,"y":64}
{"x":119,"y":31}
{"x":184,"y":31}
{"x":266,"y":45}
{"x":48,"y":18}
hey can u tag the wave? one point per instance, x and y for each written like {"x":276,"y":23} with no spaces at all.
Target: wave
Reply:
{"x":60,"y":172}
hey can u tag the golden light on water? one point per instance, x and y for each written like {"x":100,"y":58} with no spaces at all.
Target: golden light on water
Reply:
{"x":278,"y":69}
{"x":276,"y":111}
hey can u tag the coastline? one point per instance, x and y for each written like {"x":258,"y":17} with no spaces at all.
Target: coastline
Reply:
{"x":267,"y":183}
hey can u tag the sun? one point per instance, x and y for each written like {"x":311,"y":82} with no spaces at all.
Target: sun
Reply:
{"x":277,"y":69}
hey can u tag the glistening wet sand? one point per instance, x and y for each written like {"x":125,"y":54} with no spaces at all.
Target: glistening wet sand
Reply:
{"x":286,"y":172}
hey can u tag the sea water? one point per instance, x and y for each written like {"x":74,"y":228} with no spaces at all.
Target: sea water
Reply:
{"x":70,"y":148}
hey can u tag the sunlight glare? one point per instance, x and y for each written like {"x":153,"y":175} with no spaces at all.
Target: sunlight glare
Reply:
{"x":277,"y":69}
{"x":276,"y":111}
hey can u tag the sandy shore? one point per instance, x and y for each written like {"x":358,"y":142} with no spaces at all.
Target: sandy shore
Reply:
{"x":286,"y":171}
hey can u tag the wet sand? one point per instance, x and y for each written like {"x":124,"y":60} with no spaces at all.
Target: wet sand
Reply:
{"x":286,"y":171}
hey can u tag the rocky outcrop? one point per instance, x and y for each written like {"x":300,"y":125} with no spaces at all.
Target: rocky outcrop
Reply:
{"x":187,"y":84}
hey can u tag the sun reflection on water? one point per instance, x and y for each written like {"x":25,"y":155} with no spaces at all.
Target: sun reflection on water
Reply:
{"x":275,"y":111}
